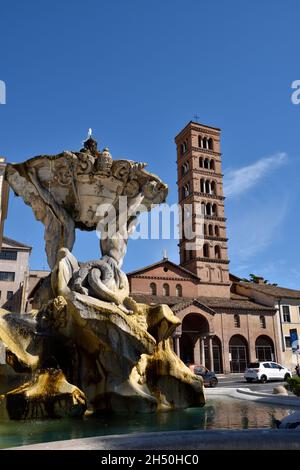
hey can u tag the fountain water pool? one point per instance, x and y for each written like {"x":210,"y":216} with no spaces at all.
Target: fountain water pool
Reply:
{"x":224,"y":413}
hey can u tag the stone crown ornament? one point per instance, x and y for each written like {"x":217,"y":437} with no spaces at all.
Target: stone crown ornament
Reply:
{"x":65,"y":191}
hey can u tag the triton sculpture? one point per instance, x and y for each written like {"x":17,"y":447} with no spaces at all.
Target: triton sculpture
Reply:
{"x":87,"y":330}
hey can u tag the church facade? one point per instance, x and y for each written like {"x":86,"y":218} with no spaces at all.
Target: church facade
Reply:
{"x":221,"y":328}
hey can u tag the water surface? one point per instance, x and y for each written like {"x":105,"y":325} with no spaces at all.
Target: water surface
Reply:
{"x":224,"y":413}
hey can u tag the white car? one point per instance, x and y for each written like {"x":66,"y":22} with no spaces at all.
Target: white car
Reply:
{"x":264,"y":371}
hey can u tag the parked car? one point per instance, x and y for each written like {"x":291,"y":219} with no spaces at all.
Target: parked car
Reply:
{"x":264,"y":371}
{"x":209,"y":377}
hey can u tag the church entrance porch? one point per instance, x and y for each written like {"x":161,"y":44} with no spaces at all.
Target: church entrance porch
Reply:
{"x":197,"y":344}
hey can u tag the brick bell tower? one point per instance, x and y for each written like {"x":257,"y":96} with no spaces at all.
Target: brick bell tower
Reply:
{"x":200,"y":186}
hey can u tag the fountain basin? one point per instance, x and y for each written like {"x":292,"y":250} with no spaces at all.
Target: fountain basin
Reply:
{"x":218,"y":414}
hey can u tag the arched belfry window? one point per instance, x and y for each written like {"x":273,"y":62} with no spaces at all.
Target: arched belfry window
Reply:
{"x":213,"y":187}
{"x":237,"y":322}
{"x":217,"y":252}
{"x":206,"y":250}
{"x":186,"y":190}
{"x":166,"y":289}
{"x":202,"y":186}
{"x":153,"y":290}
{"x":184,"y":168}
{"x":178,"y":290}
{"x":210,"y":144}
{"x":183,"y":147}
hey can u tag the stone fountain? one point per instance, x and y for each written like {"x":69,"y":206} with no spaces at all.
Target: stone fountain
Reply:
{"x":89,"y":345}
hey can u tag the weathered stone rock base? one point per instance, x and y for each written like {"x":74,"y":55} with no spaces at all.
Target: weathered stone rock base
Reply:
{"x":49,"y":395}
{"x":123,"y":362}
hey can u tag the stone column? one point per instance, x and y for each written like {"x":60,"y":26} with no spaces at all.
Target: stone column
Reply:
{"x":203,"y":351}
{"x":210,"y":353}
{"x":197,"y":352}
{"x":177,"y":345}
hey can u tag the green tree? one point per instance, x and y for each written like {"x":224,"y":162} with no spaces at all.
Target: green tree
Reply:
{"x":256,"y":279}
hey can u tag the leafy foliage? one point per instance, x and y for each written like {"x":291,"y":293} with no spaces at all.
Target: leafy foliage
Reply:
{"x":257,"y":279}
{"x":293,"y":385}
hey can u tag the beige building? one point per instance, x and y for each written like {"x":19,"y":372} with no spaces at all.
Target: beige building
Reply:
{"x":14,"y":274}
{"x":287,"y":304}
{"x":35,"y":290}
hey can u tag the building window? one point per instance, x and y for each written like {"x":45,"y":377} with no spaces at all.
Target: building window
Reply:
{"x":183,"y":147}
{"x":286,"y":314}
{"x":7,"y":276}
{"x":166,"y":290}
{"x":213,"y":190}
{"x":9,"y":295}
{"x":217,"y":252}
{"x":153,"y":290}
{"x":186,"y":190}
{"x":210,"y":230}
{"x":8,"y":254}
{"x":178,"y":290}
{"x":202,"y":186}
{"x":237,"y":322}
{"x":214,"y":210}
{"x":212,"y":165}
{"x":207,"y":187}
{"x":262,"y":321}
{"x":208,"y":209}
{"x":201,"y":162}
{"x":287,"y":340}
{"x":210,"y":144}
{"x":217,"y":233}
{"x":184,"y":168}
{"x":199,"y":141}
{"x":206,"y":250}
{"x":206,"y":164}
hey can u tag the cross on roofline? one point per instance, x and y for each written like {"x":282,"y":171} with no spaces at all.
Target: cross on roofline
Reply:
{"x":196,"y":117}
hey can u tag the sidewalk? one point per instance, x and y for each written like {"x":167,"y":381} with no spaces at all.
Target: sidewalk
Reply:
{"x":232,"y":375}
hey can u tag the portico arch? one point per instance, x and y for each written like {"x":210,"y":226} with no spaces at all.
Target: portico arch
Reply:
{"x":196,"y":340}
{"x":264,"y":348}
{"x":239,"y":353}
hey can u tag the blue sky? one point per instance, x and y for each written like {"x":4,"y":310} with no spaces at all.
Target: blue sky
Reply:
{"x":136,"y":72}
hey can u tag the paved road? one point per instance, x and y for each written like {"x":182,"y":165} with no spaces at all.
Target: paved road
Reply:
{"x":237,"y":380}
